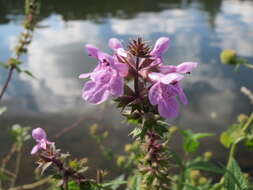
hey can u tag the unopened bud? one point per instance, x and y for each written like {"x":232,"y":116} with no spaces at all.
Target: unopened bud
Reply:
{"x":128,"y":147}
{"x":228,"y":57}
{"x":202,"y":181}
{"x":194,"y":174}
{"x":121,"y":160}
{"x":93,"y":129}
{"x":173,"y":129}
{"x":242,"y":118}
{"x":208,"y":155}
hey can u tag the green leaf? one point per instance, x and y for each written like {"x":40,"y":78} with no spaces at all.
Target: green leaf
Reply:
{"x":136,"y":182}
{"x":72,"y":185}
{"x":114,"y":184}
{"x":13,"y":61}
{"x":2,"y":110}
{"x":206,"y":166}
{"x":28,"y":73}
{"x":136,"y":132}
{"x":3,"y":177}
{"x":87,"y":186}
{"x":18,"y":69}
{"x":235,"y":180}
{"x":191,"y":142}
{"x":233,"y":135}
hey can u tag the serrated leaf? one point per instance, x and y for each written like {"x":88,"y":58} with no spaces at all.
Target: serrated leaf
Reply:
{"x":235,"y":181}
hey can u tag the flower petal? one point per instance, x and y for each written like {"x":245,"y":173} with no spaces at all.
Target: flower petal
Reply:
{"x":104,"y":57}
{"x":165,"y":69}
{"x":122,"y":69}
{"x":92,"y":50}
{"x":168,"y":108}
{"x":35,"y":149}
{"x":186,"y":67}
{"x":95,"y":93}
{"x":117,"y":86}
{"x":171,"y":77}
{"x":181,"y":94}
{"x":161,"y":46}
{"x":154,"y":94}
{"x":38,"y":134}
{"x":115,"y":44}
{"x":84,"y":75}
{"x":43,"y":144}
{"x":121,"y":52}
{"x":155,"y":76}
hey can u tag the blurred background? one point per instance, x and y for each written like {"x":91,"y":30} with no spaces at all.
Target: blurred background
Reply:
{"x":199,"y":31}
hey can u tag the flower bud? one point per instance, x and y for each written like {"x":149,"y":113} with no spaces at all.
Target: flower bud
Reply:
{"x":93,"y":129}
{"x":228,"y":57}
{"x":194,"y":174}
{"x":173,"y":129}
{"x":128,"y":147}
{"x":202,"y":181}
{"x":208,"y":155}
{"x":242,"y":118}
{"x":121,"y":160}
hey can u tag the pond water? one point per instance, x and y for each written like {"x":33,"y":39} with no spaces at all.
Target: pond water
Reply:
{"x":199,"y":31}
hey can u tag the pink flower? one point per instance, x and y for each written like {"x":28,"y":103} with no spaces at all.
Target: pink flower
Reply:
{"x":41,"y":138}
{"x":164,"y":91}
{"x":108,"y":77}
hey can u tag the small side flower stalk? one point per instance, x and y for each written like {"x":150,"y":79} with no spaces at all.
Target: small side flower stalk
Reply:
{"x":147,"y":101}
{"x":50,"y":156}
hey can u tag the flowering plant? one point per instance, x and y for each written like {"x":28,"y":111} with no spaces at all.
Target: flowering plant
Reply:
{"x":147,"y":91}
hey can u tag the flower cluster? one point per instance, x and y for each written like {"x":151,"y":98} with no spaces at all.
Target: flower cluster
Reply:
{"x":154,"y":80}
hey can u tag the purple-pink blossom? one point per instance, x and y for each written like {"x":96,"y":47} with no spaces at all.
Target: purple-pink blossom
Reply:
{"x":146,"y":66}
{"x":164,"y":92}
{"x":108,"y":76}
{"x":41,"y":138}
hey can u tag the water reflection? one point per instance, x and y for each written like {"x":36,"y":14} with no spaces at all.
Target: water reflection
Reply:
{"x":199,"y":31}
